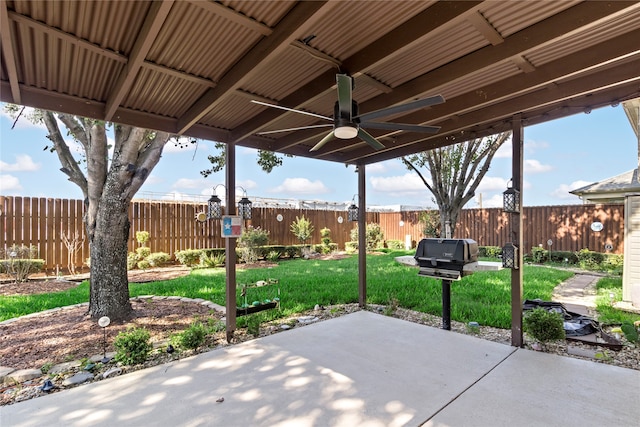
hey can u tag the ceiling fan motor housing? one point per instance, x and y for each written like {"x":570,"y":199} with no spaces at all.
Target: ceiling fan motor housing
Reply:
{"x":344,"y":127}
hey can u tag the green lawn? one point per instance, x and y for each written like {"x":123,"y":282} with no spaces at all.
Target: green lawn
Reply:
{"x":483,"y":297}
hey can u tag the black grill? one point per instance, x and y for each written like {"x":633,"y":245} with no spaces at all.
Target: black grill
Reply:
{"x":445,"y":258}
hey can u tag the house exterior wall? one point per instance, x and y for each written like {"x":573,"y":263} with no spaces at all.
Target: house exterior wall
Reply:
{"x":631,"y":274}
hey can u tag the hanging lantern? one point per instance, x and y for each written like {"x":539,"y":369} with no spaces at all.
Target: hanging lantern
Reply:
{"x":214,"y":206}
{"x":352,"y":211}
{"x":244,"y":207}
{"x":510,"y":256}
{"x":511,"y":200}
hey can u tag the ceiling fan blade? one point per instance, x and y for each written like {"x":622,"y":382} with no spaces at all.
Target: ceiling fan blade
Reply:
{"x":266,"y":104}
{"x":292,"y":129}
{"x":324,"y":140}
{"x":401,"y":126}
{"x":413,"y":105}
{"x":345,"y":84}
{"x":366,"y":137}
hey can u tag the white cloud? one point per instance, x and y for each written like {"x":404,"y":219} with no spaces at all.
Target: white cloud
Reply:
{"x":408,"y":182}
{"x":300,"y":186}
{"x":562,"y":192}
{"x":504,"y":152}
{"x":494,"y":201}
{"x":534,"y":166}
{"x":532,"y":146}
{"x":191,"y":183}
{"x":24,"y":163}
{"x":9,"y":183}
{"x":492,"y":183}
{"x":376,"y":168}
{"x":153,"y":179}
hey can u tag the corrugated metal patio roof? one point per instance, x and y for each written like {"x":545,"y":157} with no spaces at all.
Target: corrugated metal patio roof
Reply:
{"x":193,"y":67}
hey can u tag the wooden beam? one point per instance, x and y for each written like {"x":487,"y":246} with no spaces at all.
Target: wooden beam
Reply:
{"x":230,"y":14}
{"x":485,"y":28}
{"x":543,"y":33}
{"x":517,"y":234}
{"x":362,"y":236}
{"x":301,"y":17}
{"x":230,"y":243}
{"x":9,"y":54}
{"x":153,"y":22}
{"x":439,"y":15}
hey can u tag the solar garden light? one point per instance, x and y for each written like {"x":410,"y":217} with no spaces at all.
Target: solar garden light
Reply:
{"x":103,"y":322}
{"x":244,"y":205}
{"x":511,"y":200}
{"x":214,"y":205}
{"x":352,"y":211}
{"x":510,"y":256}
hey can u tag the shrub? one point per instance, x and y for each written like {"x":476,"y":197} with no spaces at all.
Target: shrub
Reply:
{"x":21,"y":261}
{"x":158,"y":259}
{"x":350,"y":247}
{"x":293,"y":251}
{"x":274,"y":255}
{"x":325,"y":249}
{"x":192,"y":337}
{"x":132,"y":346}
{"x":489,"y":251}
{"x":539,"y":255}
{"x":544,"y":325}
{"x":250,"y":243}
{"x":143,"y":252}
{"x":302,"y":229}
{"x":373,"y":235}
{"x":143,"y":264}
{"x":395,"y":244}
{"x":189,"y":257}
{"x":325,"y":236}
{"x":589,"y":260}
{"x":430,"y":221}
{"x":132,"y":260}
{"x":142,"y":237}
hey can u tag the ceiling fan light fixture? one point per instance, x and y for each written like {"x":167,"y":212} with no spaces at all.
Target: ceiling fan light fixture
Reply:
{"x":345,"y":132}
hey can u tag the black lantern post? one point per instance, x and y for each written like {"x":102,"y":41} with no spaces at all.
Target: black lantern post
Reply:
{"x":352,"y":211}
{"x":244,"y":206}
{"x":510,"y":256}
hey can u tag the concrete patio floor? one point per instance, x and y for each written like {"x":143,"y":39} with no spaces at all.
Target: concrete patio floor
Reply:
{"x":361,"y":369}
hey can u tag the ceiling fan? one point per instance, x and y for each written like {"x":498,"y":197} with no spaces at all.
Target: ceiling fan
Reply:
{"x":347,"y":123}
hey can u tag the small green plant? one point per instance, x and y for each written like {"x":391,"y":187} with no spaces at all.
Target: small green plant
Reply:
{"x":544,"y":325}
{"x":213,"y":260}
{"x":391,"y":307}
{"x":143,"y":264}
{"x":192,"y":337}
{"x":274,"y":256}
{"x":132,"y":346}
{"x":604,"y":356}
{"x":630,"y":332}
{"x":46,"y":367}
{"x":189,"y":257}
{"x":143,"y":252}
{"x":253,"y":326}
{"x":302,"y":229}
{"x":157,"y":259}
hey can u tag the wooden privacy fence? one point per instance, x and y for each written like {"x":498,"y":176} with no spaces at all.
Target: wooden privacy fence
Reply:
{"x":172,"y":226}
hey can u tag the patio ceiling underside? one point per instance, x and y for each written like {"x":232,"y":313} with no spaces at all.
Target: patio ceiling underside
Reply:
{"x":193,"y":67}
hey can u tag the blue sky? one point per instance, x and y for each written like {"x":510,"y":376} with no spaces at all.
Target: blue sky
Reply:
{"x":560,"y":155}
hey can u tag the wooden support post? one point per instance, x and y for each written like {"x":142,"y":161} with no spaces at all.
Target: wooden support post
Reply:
{"x":362,"y":237}
{"x":230,"y":243}
{"x":515,"y":224}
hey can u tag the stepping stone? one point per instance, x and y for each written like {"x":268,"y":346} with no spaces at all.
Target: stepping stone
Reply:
{"x":64,"y":367}
{"x":99,"y":357}
{"x":22,"y":375}
{"x":582,"y":352}
{"x":78,"y":378}
{"x":4,"y":371}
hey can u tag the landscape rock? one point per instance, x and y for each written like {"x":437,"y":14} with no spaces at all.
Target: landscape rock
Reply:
{"x":22,"y":375}
{"x":307,"y":319}
{"x":64,"y":367}
{"x":4,"y":371}
{"x":111,"y":372}
{"x":78,"y":378}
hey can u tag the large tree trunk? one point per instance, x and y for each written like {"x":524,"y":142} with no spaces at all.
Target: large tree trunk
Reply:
{"x":109,"y":295}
